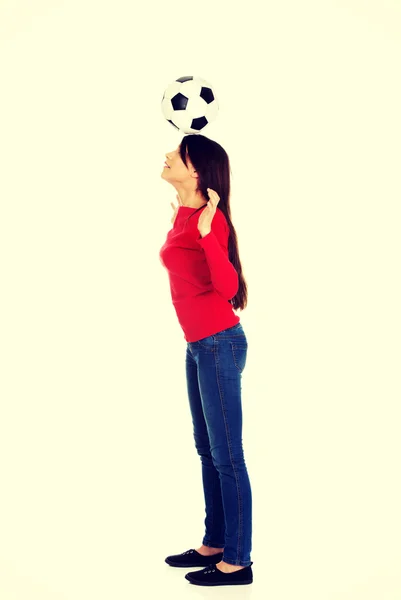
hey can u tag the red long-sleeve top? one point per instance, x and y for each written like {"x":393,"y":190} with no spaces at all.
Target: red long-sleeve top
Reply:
{"x":202,"y":278}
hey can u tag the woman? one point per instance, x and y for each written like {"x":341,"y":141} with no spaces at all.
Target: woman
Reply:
{"x":206,"y":282}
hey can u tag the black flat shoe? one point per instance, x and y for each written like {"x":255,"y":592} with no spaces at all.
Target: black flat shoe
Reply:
{"x":192,"y":558}
{"x":213,"y":576}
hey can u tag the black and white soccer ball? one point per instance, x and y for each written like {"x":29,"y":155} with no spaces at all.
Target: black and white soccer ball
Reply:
{"x":189,"y":104}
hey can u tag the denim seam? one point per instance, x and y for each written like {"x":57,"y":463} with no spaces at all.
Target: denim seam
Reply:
{"x":212,"y":503}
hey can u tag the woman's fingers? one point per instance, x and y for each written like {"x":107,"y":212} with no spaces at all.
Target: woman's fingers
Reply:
{"x":175,"y":209}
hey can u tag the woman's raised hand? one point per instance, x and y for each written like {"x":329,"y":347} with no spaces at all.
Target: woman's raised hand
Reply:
{"x":175,"y":208}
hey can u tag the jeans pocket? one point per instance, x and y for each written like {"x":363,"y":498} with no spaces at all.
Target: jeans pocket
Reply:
{"x":239,"y":350}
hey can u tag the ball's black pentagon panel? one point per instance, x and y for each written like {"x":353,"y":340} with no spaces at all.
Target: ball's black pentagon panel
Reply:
{"x":179,"y":102}
{"x":185,"y":78}
{"x":199,"y":123}
{"x":207,"y":95}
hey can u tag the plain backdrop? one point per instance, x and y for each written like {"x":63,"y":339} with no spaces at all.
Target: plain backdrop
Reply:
{"x":100,"y":479}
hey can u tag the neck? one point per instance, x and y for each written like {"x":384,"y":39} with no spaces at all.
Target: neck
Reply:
{"x":191,"y":199}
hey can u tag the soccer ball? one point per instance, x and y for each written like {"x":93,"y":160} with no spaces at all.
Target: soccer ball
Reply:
{"x":189,"y":104}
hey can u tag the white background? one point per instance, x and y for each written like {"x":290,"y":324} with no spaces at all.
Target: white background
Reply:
{"x":100,"y":479}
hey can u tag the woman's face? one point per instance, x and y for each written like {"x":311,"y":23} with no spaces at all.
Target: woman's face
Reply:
{"x":176,"y":169}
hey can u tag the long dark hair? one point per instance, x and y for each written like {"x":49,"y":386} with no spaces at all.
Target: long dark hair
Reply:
{"x":212,"y":165}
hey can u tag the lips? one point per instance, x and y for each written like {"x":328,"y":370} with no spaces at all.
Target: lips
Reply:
{"x":166,"y":165}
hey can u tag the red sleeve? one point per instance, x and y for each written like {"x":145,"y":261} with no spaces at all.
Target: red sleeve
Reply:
{"x":215,"y":245}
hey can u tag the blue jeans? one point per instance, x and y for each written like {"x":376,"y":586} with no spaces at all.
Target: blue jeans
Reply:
{"x":214,"y":368}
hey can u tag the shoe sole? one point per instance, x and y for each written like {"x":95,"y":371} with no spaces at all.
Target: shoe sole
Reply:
{"x":209,"y":583}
